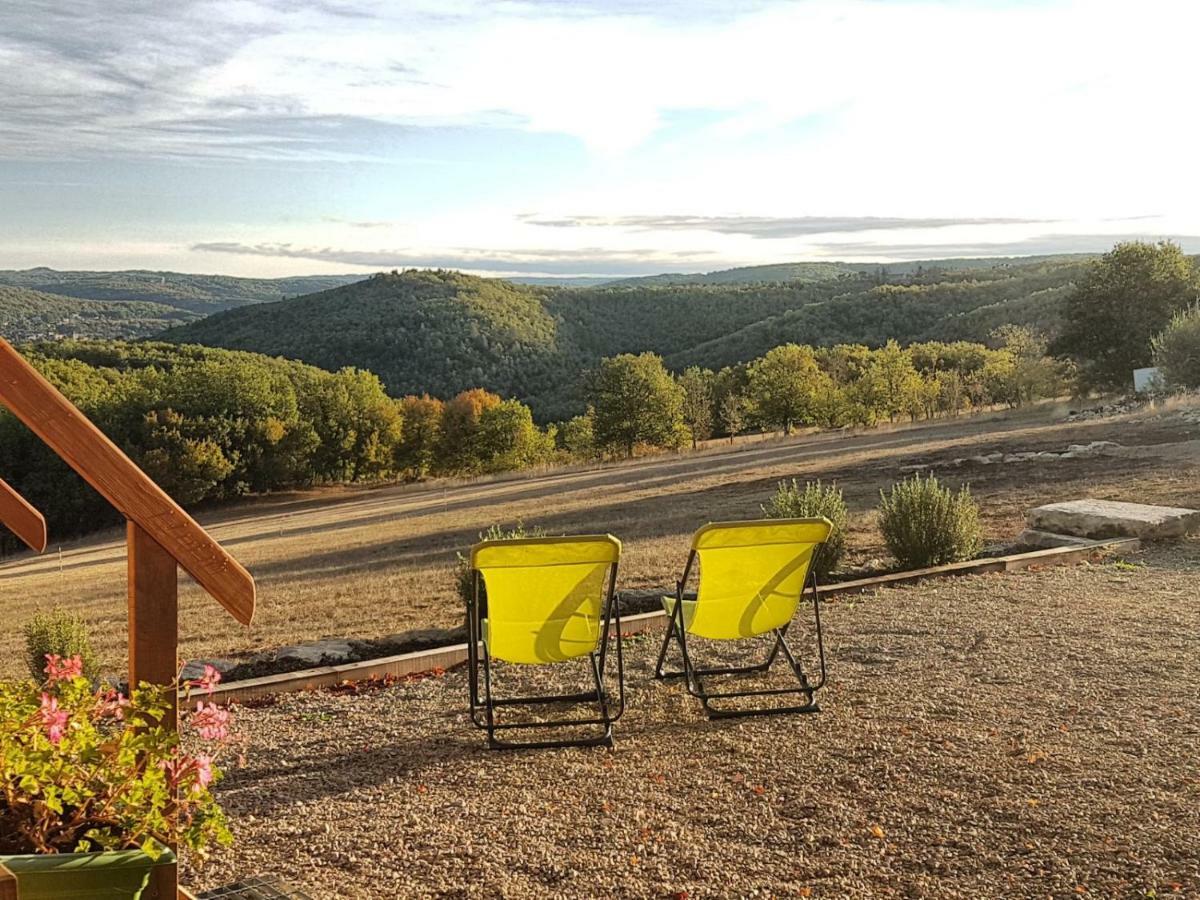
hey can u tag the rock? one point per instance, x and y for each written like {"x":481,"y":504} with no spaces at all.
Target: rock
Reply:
{"x":981,"y":460}
{"x":194,"y":669}
{"x":1045,"y":540}
{"x":918,"y":467}
{"x":995,"y":457}
{"x":1025,"y":454}
{"x":1108,"y":518}
{"x":318,"y":652}
{"x":1093,"y":450}
{"x":1047,"y":454}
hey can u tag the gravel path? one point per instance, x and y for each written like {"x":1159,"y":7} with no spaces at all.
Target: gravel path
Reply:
{"x":1024,"y":735}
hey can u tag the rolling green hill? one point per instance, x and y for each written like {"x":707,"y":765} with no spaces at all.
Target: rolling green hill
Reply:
{"x":443,"y":332}
{"x":31,"y":315}
{"x":202,"y":294}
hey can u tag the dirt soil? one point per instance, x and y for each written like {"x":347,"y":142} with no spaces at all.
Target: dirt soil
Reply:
{"x":1009,"y":735}
{"x":370,"y":562}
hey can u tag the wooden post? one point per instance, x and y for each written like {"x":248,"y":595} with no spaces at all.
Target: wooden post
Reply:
{"x":153,"y":639}
{"x":8,"y":884}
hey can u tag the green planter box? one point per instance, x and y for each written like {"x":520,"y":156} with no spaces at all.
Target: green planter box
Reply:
{"x":110,"y":875}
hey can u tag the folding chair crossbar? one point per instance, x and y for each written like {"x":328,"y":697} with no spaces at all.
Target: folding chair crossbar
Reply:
{"x":483,"y":708}
{"x":694,"y":675}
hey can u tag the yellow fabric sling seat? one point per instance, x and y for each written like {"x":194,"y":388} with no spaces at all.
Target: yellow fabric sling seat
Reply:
{"x":541,"y":601}
{"x":752,"y":576}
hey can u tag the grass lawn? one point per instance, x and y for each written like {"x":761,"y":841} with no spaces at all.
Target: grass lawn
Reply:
{"x":1022,"y":735}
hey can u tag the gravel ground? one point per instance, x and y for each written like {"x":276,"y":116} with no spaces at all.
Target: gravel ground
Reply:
{"x":1020,"y":735}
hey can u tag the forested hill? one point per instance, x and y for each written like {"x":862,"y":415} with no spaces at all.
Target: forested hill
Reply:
{"x":201,"y":294}
{"x":823,"y":271}
{"x":443,"y":332}
{"x":31,"y":315}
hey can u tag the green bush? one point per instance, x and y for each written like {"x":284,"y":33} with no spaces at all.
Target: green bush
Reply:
{"x":791,"y":501}
{"x":466,"y":584}
{"x":61,"y":633}
{"x":925,"y":524}
{"x":1177,"y":349}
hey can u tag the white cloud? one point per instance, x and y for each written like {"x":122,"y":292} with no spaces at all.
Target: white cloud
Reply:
{"x":1073,"y":111}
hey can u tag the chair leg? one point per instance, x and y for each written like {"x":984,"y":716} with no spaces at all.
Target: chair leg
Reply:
{"x":598,"y":695}
{"x":696,"y":677}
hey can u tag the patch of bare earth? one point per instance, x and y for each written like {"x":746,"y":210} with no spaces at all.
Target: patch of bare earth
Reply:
{"x":1021,"y":735}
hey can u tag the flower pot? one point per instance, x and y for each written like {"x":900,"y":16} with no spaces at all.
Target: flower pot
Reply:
{"x":107,"y":875}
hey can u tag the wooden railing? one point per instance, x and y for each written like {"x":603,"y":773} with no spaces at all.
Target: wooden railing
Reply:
{"x":160,"y":538}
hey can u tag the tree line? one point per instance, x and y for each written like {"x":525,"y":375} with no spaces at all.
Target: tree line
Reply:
{"x":210,"y":425}
{"x":635,"y":402}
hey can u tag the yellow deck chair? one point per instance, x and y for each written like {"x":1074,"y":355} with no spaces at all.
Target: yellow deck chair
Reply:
{"x":752,"y":579}
{"x":545,"y":600}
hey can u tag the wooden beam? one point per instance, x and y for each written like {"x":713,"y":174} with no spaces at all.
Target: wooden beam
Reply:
{"x":8,"y":884}
{"x":153,"y":639}
{"x":102,"y":464}
{"x":153,"y":609}
{"x":22,"y":519}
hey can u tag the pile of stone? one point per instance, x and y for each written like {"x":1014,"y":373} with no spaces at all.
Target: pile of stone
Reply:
{"x":1093,"y":450}
{"x":1119,"y":408}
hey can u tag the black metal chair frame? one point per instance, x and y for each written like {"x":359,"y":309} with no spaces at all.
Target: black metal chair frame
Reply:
{"x":694,"y":675}
{"x":487,"y":705}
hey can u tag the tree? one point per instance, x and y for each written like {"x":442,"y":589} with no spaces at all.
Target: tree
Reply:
{"x":732,"y":414}
{"x":460,"y":423}
{"x":189,"y":469}
{"x":507,"y":438}
{"x":782,"y":383}
{"x":1122,"y":302}
{"x":697,"y":387}
{"x":1177,"y":349}
{"x":417,"y":451}
{"x":636,"y":402}
{"x":891,"y":384}
{"x":578,"y":436}
{"x":1032,"y":375}
{"x":729,"y":399}
{"x":831,"y":407}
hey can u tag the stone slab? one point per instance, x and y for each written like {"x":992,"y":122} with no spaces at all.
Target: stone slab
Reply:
{"x":1109,"y":518}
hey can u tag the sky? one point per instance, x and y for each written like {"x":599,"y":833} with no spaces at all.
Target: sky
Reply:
{"x":605,"y":138}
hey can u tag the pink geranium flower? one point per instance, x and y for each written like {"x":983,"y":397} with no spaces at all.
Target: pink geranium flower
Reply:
{"x":53,"y":719}
{"x":211,"y":721}
{"x":59,"y":669}
{"x":113,"y":703}
{"x":204,"y":771}
{"x":208,"y":681}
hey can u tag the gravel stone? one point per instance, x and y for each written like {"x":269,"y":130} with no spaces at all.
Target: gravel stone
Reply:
{"x":1019,"y":735}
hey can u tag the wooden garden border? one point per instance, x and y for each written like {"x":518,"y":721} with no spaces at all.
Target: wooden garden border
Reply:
{"x":160,"y":537}
{"x":424,"y":661}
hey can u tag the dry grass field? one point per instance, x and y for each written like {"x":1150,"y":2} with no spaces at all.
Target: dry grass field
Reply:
{"x":374,"y":561}
{"x":1014,"y":736}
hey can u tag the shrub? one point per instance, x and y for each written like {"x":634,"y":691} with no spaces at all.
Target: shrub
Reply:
{"x":63,"y":634}
{"x":87,"y":769}
{"x":791,"y":501}
{"x":1177,"y":349}
{"x":466,"y":584}
{"x":925,"y":524}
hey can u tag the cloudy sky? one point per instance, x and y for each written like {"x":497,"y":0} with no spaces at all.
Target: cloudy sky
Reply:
{"x":572,"y":137}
